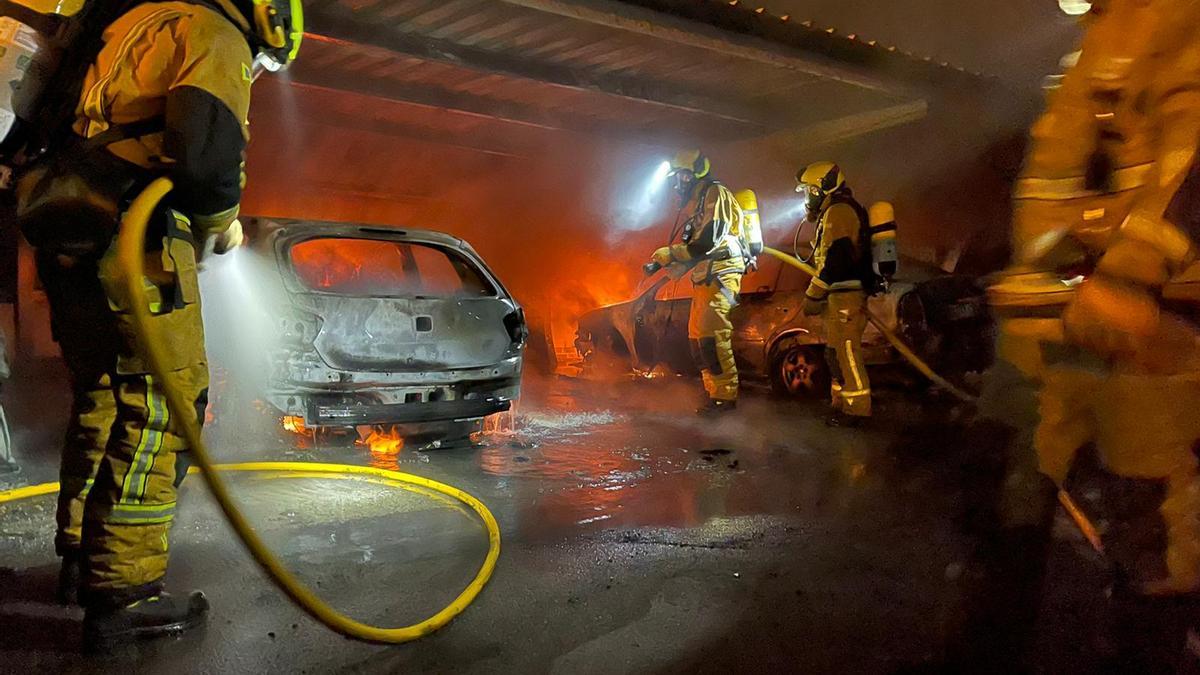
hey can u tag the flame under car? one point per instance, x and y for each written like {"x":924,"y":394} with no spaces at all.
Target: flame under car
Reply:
{"x":380,"y":326}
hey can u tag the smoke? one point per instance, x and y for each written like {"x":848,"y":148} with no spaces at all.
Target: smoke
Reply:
{"x":240,"y":324}
{"x":639,"y":200}
{"x":567,"y":220}
{"x":564,"y":222}
{"x":241,"y":331}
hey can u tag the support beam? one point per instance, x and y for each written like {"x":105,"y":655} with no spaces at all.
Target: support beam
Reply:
{"x":434,"y":98}
{"x":852,"y":126}
{"x":310,"y":112}
{"x":488,"y":109}
{"x":625,"y":17}
{"x":337,"y":26}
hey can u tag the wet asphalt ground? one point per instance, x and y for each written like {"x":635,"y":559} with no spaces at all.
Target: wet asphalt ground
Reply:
{"x":636,"y":538}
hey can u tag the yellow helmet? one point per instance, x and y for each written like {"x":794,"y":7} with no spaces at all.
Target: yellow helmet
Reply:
{"x":691,"y":160}
{"x":826,"y":176}
{"x":818,"y":181}
{"x":275,"y":28}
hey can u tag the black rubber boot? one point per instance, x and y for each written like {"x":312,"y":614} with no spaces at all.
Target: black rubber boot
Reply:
{"x":841,"y":419}
{"x":106,"y":628}
{"x":716,"y":407}
{"x":69,"y":577}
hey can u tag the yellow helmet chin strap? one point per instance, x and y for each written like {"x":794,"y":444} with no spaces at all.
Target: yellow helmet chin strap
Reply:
{"x":297,"y":28}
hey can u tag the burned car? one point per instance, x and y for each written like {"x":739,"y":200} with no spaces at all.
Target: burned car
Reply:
{"x":381,"y":326}
{"x":943,"y":316}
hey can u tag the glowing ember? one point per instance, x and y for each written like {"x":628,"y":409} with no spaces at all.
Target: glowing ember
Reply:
{"x":380,"y":441}
{"x":294,"y":424}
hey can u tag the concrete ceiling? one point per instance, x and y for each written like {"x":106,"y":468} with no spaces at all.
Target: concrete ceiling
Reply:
{"x":1020,"y":41}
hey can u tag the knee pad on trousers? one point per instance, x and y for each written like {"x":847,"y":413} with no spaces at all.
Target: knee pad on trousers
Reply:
{"x":831,"y":359}
{"x":708,"y":355}
{"x":183,"y":459}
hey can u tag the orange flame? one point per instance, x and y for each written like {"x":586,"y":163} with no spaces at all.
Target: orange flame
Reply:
{"x":294,"y":424}
{"x":382,"y":442}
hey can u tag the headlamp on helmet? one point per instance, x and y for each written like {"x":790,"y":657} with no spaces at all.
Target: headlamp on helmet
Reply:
{"x":816,"y":182}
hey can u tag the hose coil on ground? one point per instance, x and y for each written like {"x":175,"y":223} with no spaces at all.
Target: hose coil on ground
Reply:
{"x":130,"y":256}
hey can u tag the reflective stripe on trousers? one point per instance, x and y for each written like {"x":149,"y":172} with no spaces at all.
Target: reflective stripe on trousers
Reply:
{"x":118,"y":471}
{"x":710,"y":331}
{"x":845,"y":320}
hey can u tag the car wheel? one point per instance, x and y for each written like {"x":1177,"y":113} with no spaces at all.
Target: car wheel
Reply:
{"x":800,"y":371}
{"x":335,"y":437}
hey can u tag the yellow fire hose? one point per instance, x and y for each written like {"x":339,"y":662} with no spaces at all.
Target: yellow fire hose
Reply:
{"x":904,"y":349}
{"x":131,"y":252}
{"x":1077,"y":515}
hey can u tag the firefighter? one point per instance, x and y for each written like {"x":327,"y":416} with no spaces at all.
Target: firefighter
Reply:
{"x":1098,"y":340}
{"x":711,"y":248}
{"x":839,"y":291}
{"x":168,"y":94}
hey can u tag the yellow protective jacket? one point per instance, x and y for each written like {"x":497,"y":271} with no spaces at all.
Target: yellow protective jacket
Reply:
{"x":839,"y":249}
{"x":190,"y":65}
{"x":1111,"y":187}
{"x":709,"y":240}
{"x":1119,"y":136}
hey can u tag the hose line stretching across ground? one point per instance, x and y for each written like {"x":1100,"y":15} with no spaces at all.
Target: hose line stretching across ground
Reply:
{"x":1077,"y":515}
{"x":130,"y":256}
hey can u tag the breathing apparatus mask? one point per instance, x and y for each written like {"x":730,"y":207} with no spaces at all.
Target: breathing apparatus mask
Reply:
{"x":814,"y":199}
{"x":688,"y":168}
{"x":817,"y":182}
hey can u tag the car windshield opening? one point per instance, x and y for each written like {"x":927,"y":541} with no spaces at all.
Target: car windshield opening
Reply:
{"x":381,"y":268}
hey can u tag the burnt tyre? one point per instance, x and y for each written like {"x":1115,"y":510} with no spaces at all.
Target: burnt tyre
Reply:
{"x":335,"y":436}
{"x":456,"y":434}
{"x":799,"y":371}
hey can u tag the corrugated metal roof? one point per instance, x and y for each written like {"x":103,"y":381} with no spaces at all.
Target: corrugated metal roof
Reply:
{"x":553,"y":64}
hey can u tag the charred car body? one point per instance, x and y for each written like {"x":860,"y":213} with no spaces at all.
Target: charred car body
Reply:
{"x":773,"y":339}
{"x":380,"y":326}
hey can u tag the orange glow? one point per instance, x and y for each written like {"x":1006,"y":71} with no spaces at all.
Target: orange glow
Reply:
{"x":597,"y":285}
{"x":505,"y":422}
{"x":324,"y":264}
{"x":495,"y":425}
{"x":381,"y":442}
{"x":294,"y":424}
{"x":374,"y":267}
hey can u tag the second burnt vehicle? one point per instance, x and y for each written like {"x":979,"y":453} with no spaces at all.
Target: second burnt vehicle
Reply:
{"x":378,"y":326}
{"x":943,"y":316}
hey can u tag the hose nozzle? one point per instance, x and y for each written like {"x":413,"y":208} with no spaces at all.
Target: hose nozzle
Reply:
{"x":651,"y":267}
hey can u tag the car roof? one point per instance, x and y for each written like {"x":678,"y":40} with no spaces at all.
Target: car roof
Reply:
{"x":289,"y":229}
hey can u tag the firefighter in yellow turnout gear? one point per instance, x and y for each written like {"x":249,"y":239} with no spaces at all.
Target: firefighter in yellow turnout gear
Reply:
{"x":837,"y":293}
{"x":1110,"y":194}
{"x":168,"y":94}
{"x":717,"y":257}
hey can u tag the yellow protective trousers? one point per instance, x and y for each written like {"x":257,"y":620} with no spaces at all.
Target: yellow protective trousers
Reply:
{"x":710,"y":333}
{"x":845,"y":320}
{"x":1143,"y":427}
{"x":118,"y":471}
